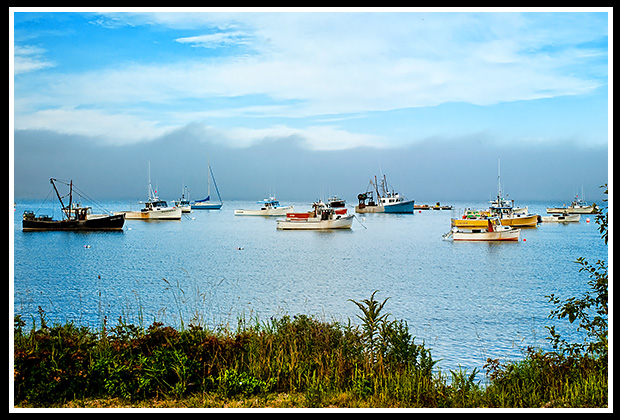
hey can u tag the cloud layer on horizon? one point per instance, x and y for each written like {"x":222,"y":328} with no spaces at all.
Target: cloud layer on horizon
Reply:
{"x":437,"y":169}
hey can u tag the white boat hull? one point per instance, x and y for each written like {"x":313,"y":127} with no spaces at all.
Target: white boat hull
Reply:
{"x":572,"y":210}
{"x":507,"y":235}
{"x":493,"y":232}
{"x":315,"y":223}
{"x":561,"y":218}
{"x":172,"y":213}
{"x":280,"y":211}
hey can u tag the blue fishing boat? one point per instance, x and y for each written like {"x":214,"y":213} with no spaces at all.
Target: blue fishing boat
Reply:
{"x":385,"y":201}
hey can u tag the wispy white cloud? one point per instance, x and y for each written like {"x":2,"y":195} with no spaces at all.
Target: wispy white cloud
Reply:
{"x":313,"y":65}
{"x":216,"y":39}
{"x":29,"y":58}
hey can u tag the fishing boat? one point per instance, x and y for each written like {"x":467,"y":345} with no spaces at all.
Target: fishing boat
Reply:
{"x":75,"y":217}
{"x":154,"y":208}
{"x":577,"y":206}
{"x":385,"y":201}
{"x":563,"y":217}
{"x":494,"y":231}
{"x":471,"y":219}
{"x":509,"y":217}
{"x":206,"y":203}
{"x":269,"y":207}
{"x":336,"y":202}
{"x":502,"y":208}
{"x":321,"y":217}
{"x":477,"y":219}
{"x":183,"y":203}
{"x":506,"y":210}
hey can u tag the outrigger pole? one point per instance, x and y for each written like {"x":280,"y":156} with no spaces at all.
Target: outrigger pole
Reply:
{"x":66,"y":211}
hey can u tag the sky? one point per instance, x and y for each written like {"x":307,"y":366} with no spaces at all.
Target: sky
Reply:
{"x":306,"y":103}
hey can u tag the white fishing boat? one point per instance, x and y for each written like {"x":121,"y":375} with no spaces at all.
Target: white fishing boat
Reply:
{"x":494,"y":231}
{"x":386,"y":201}
{"x":183,"y":203}
{"x":506,"y":210}
{"x":206,"y":203}
{"x":322,"y":217}
{"x":154,"y":208}
{"x":563,"y":217}
{"x":578,"y":206}
{"x":269,"y":207}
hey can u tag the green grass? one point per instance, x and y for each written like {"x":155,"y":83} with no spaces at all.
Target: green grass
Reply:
{"x":297,"y":361}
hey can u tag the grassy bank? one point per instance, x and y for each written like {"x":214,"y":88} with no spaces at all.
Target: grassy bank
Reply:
{"x":294,"y":361}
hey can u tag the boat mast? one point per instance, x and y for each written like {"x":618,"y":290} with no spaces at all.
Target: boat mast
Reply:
{"x":377,"y":190}
{"x":70,"y":200}
{"x":65,"y":210}
{"x":208,"y":178}
{"x":215,"y":183}
{"x":151,"y":194}
{"x":499,"y":185}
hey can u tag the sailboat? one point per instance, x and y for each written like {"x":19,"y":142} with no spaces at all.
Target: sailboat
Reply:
{"x":206,"y":203}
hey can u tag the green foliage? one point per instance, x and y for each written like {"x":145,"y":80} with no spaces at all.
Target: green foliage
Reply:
{"x":232,"y":383}
{"x":548,"y":379}
{"x":314,"y":362}
{"x":590,"y":310}
{"x":388,"y":342}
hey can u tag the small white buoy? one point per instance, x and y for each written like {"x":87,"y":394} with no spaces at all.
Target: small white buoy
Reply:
{"x":588,"y":220}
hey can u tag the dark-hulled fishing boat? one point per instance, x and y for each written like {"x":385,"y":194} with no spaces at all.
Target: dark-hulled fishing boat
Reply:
{"x":75,"y":218}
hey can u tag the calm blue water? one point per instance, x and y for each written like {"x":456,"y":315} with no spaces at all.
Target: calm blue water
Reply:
{"x":466,"y":301}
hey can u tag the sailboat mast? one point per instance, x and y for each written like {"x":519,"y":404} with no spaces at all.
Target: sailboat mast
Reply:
{"x":208,"y":177}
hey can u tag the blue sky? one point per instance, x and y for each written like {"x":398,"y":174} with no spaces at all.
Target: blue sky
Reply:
{"x":369,"y":79}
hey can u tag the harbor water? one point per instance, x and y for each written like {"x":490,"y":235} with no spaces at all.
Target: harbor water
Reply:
{"x":466,"y":301}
